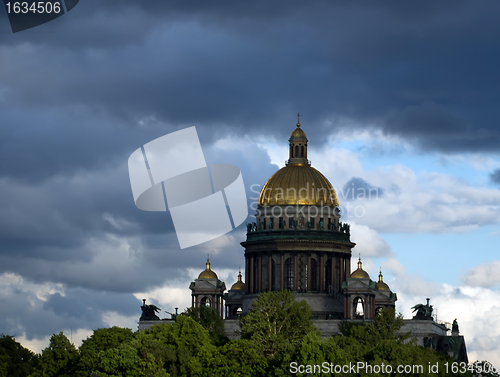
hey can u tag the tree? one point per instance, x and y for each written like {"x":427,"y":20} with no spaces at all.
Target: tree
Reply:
{"x":277,"y":320}
{"x":483,"y":369}
{"x":15,"y":360}
{"x":58,"y":359}
{"x":100,"y":342}
{"x":210,"y":319}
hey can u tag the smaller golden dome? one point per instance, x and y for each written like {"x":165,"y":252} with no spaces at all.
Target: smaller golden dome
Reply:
{"x":381,"y":286}
{"x":208,"y":273}
{"x":298,"y":132}
{"x":360,"y":273}
{"x":239,"y":285}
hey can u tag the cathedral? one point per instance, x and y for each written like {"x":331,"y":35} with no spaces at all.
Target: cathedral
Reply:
{"x":298,"y":242}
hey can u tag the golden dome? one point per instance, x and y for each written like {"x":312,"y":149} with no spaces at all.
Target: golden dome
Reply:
{"x":208,"y":273}
{"x":360,"y":273}
{"x":298,"y":132}
{"x":298,"y":184}
{"x":381,"y":286}
{"x":239,"y":285}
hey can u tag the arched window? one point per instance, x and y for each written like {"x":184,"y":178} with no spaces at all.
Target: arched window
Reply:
{"x":358,"y":307}
{"x":302,"y":151}
{"x":205,"y":301}
{"x":289,"y":271}
{"x":328,"y":274}
{"x":296,"y":151}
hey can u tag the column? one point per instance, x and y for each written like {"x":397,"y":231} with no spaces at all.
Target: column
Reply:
{"x":247,"y":274}
{"x":269,"y":272}
{"x":251,"y":275}
{"x":341,"y":272}
{"x":259,"y":282}
{"x":295,"y":272}
{"x":333,"y":264}
{"x":322,"y":272}
{"x":282,"y":272}
{"x":309,"y":272}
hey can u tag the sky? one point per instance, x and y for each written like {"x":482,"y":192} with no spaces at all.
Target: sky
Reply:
{"x":400,"y":97}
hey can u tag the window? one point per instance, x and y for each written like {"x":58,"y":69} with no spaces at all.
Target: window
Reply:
{"x":359,"y":310}
{"x":205,"y":301}
{"x":289,"y":271}
{"x":302,"y":151}
{"x":328,"y":273}
{"x":314,"y":275}
{"x":296,"y":151}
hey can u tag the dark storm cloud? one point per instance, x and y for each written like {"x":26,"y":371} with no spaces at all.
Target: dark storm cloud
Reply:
{"x":495,"y":176}
{"x":78,"y":95}
{"x":25,"y":313}
{"x":232,"y":65}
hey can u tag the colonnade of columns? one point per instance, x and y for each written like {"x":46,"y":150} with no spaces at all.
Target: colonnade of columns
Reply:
{"x":304,"y":271}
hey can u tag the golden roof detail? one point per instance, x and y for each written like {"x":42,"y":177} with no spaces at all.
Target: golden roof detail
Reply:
{"x":298,"y":182}
{"x":239,"y":285}
{"x":381,"y":286}
{"x":208,"y":273}
{"x":360,"y":273}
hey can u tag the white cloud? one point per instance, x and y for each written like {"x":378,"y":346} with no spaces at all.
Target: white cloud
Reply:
{"x":483,"y":275}
{"x":368,"y":242}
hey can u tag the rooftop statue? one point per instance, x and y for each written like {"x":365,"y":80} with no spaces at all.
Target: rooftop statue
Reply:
{"x":424,"y":312}
{"x":149,"y":312}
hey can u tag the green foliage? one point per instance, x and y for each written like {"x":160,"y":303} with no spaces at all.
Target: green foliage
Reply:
{"x":210,"y":319}
{"x":276,"y":320}
{"x":15,"y":360}
{"x":277,"y":332}
{"x":101,"y":344}
{"x":58,"y":359}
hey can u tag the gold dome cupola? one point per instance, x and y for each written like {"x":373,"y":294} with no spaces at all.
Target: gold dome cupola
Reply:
{"x":360,"y":273}
{"x":239,"y":285}
{"x":207,"y":273}
{"x":298,"y":183}
{"x":381,"y":286}
{"x":298,"y":146}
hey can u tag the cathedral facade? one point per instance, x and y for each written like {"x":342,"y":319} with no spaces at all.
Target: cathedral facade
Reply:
{"x":299,"y":243}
